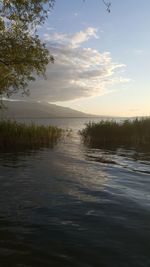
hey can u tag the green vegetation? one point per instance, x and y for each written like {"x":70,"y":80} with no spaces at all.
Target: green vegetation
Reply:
{"x":129,"y":133}
{"x":23,"y":56}
{"x":14,"y":135}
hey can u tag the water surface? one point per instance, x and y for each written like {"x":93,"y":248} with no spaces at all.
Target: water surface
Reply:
{"x":68,"y":206}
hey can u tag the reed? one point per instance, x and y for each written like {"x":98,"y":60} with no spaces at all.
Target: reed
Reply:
{"x":15,"y":135}
{"x":131,"y":133}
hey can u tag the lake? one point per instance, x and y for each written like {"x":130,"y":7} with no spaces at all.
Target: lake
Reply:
{"x":67,"y":206}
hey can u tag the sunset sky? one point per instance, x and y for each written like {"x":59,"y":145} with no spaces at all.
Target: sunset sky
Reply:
{"x":102,"y":60}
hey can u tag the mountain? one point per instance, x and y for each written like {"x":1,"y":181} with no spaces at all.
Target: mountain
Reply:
{"x":24,"y":109}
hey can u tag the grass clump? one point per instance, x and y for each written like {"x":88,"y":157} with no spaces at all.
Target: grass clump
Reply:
{"x":129,"y":133}
{"x":15,"y":135}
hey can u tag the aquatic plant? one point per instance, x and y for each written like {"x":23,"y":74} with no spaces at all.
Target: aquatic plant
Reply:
{"x":15,"y":135}
{"x":133,"y":133}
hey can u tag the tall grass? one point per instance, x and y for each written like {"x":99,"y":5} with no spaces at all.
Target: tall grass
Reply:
{"x":15,"y":135}
{"x":135,"y":133}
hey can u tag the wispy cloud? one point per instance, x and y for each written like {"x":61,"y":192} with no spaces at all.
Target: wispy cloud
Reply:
{"x":77,"y":71}
{"x":138,"y":52}
{"x":74,"y":40}
{"x":48,"y":28}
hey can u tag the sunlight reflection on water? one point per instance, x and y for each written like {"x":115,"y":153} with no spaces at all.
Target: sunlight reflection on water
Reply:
{"x":70,"y":207}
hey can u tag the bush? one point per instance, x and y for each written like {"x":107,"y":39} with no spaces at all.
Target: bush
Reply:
{"x":15,"y":135}
{"x":134,"y":133}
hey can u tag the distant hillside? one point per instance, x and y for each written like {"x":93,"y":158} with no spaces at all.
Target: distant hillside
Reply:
{"x":24,"y":109}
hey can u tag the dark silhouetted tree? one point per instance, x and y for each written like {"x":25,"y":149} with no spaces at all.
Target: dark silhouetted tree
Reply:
{"x":22,"y":53}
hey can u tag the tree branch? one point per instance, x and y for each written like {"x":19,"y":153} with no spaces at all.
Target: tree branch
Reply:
{"x":108,"y":5}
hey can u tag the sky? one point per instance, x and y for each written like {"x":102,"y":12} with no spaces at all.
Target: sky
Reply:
{"x":102,"y":60}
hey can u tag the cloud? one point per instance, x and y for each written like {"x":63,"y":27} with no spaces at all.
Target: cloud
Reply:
{"x":48,"y":28}
{"x":78,"y":71}
{"x":138,"y":52}
{"x":73,"y":41}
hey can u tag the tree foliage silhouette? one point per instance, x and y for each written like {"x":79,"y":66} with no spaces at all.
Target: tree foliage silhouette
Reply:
{"x":22,"y":53}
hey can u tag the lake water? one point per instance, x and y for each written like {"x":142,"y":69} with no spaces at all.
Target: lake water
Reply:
{"x":65,"y":207}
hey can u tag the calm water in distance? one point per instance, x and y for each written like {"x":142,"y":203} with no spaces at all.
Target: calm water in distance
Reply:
{"x":65,"y":207}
